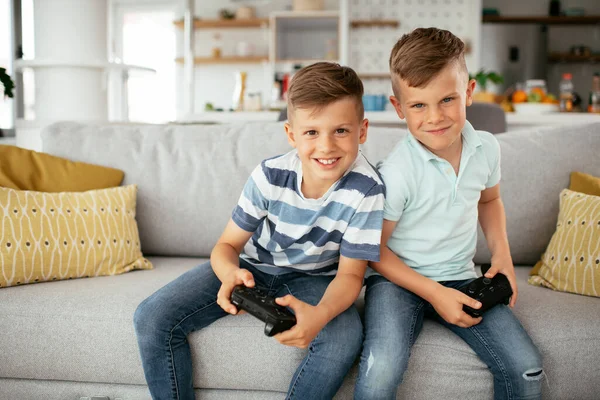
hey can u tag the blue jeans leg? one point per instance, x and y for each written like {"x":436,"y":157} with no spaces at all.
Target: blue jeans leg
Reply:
{"x":163,"y":321}
{"x":393,"y":320}
{"x":334,"y":350}
{"x":503,"y":344}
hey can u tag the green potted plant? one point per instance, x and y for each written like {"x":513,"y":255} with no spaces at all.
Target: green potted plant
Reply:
{"x":7,"y":83}
{"x":482,"y":78}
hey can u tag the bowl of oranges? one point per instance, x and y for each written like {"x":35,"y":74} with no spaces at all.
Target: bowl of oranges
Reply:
{"x":534,"y":99}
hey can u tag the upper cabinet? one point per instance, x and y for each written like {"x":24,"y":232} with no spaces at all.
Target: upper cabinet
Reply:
{"x":300,"y":37}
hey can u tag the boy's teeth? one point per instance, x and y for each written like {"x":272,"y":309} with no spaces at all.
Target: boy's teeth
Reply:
{"x":324,"y":161}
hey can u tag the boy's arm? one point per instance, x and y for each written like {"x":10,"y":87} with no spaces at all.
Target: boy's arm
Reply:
{"x":339,"y":295}
{"x":225,"y":262}
{"x":446,"y":301}
{"x":493,"y":223}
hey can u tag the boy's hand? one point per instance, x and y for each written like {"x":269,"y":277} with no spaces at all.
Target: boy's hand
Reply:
{"x":235,"y":278}
{"x":309,"y":322}
{"x":505,"y":266}
{"x":449,"y":305}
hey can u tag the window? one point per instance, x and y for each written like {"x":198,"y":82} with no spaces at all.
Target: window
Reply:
{"x":145,"y":36}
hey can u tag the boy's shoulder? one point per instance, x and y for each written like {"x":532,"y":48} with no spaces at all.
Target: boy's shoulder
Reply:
{"x":402,"y":155}
{"x":363,"y":177}
{"x":488,"y":141}
{"x":281,"y":161}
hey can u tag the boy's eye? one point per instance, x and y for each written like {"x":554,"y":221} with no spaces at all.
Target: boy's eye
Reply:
{"x":447,"y":99}
{"x":341,"y":130}
{"x":310,"y":133}
{"x":418,"y":105}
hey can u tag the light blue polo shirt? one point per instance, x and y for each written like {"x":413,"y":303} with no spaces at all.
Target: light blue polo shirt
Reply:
{"x":436,"y":210}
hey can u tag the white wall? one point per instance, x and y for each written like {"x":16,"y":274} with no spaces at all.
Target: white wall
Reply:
{"x":496,"y":39}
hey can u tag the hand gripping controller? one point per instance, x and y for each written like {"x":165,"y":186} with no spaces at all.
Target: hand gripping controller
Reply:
{"x":488,"y":291}
{"x":276,"y":318}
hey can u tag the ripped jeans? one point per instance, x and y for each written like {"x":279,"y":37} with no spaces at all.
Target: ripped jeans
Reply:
{"x":393,"y":320}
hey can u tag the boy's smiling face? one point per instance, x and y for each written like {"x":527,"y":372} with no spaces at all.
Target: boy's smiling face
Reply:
{"x":327,"y":142}
{"x":436,"y":114}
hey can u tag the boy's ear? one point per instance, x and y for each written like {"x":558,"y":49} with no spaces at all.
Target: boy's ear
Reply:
{"x":364,"y":127}
{"x":396,"y":103}
{"x":470,"y":89}
{"x":290,"y":134}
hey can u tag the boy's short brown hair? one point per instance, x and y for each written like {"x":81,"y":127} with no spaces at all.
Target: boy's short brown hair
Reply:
{"x":323,"y":83}
{"x":421,"y":54}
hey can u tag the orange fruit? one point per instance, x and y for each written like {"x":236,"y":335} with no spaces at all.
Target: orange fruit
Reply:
{"x":538,"y":90}
{"x":519,"y":96}
{"x":550,"y":99}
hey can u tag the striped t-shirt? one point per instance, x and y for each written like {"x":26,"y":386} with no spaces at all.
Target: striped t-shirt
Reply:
{"x":293,"y":233}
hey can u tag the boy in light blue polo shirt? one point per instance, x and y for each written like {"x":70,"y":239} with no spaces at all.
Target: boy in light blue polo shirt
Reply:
{"x":440,"y":180}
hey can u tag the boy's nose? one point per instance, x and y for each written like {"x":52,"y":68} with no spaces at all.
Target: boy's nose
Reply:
{"x":435,"y":115}
{"x":326,"y":143}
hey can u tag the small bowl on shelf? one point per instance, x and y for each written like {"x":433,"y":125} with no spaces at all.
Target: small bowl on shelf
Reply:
{"x":535,"y":108}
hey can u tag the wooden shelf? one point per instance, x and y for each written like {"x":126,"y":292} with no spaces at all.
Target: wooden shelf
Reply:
{"x":226,"y":60}
{"x":225,"y":23}
{"x":304,"y":60}
{"x":375,"y":22}
{"x":584,"y":20}
{"x":566,"y":57}
{"x":379,"y":75}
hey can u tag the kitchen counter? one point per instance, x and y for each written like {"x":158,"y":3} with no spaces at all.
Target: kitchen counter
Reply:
{"x":513,"y":120}
{"x":389,"y":118}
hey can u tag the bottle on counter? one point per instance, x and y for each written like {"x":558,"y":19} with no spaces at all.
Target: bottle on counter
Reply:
{"x":594,"y":103}
{"x":239,"y":92}
{"x":566,"y":93}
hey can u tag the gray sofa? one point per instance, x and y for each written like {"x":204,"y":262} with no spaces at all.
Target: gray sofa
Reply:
{"x":73,"y":339}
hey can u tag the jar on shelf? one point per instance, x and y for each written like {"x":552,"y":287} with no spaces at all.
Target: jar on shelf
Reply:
{"x":308,"y":5}
{"x":217,"y":46}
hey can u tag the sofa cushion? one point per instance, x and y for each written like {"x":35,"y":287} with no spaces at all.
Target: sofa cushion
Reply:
{"x":68,"y":235}
{"x":82,"y":330}
{"x":571,"y":262}
{"x":29,"y":170}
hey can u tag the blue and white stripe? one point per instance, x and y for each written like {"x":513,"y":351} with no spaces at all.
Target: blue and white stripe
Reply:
{"x":292,"y":233}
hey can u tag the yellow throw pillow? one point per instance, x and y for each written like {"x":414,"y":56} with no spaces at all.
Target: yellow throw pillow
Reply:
{"x":29,"y":170}
{"x":55,"y":236}
{"x":584,"y":183}
{"x":571,"y":262}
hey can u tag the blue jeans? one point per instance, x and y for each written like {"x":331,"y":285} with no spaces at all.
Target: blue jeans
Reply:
{"x":393,"y":321}
{"x":163,"y":321}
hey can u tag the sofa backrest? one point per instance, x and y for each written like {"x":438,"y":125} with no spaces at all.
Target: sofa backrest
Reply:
{"x":189,"y":177}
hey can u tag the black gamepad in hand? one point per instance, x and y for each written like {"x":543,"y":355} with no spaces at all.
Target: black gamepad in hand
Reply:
{"x":488,"y":291}
{"x":254,"y":301}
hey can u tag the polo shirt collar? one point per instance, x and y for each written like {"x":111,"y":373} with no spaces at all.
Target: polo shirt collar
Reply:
{"x":470,"y":137}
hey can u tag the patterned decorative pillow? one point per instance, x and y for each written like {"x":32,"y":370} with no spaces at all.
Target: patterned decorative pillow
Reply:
{"x":56,"y":236}
{"x":571,"y":262}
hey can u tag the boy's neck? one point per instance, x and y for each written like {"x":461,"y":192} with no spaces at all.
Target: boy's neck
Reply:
{"x":313,"y":191}
{"x":451,"y":154}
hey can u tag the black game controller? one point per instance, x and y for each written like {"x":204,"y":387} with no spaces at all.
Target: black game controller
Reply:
{"x":276,"y":318}
{"x":488,"y":291}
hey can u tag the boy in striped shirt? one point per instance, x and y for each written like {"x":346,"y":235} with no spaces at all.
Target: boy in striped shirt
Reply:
{"x":303,"y":231}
